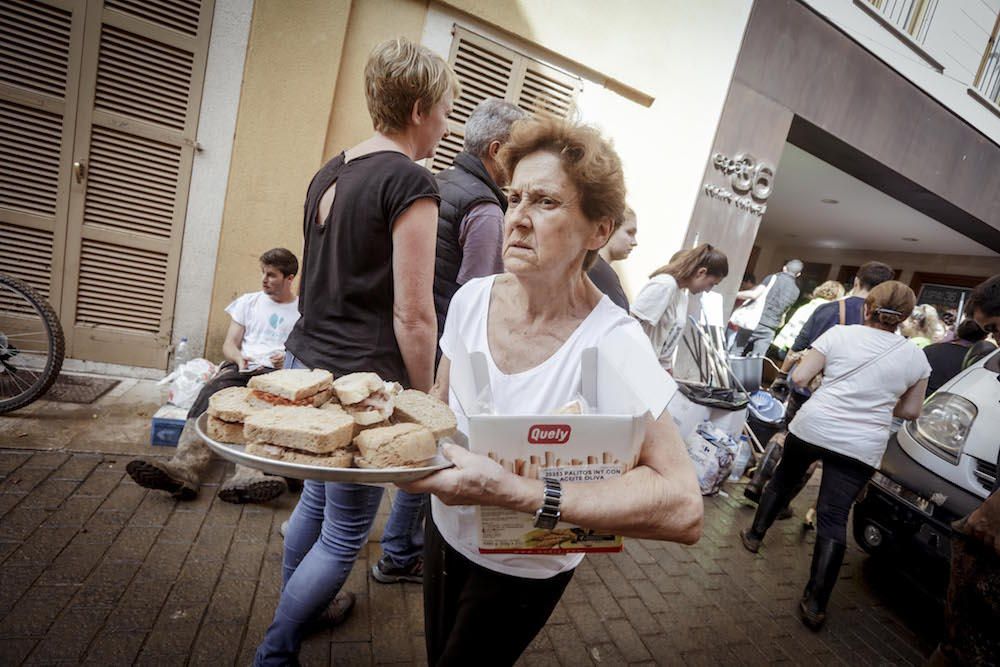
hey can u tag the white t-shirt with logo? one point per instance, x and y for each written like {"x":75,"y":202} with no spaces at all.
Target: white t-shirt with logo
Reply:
{"x":539,"y":390}
{"x":852,"y":416}
{"x":266,"y":325}
{"x":662,"y":306}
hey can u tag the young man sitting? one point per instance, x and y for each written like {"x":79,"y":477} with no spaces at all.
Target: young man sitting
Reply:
{"x":255,"y":344}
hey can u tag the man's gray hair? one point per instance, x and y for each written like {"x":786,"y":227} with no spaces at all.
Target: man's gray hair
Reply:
{"x":794,"y":266}
{"x":490,"y":121}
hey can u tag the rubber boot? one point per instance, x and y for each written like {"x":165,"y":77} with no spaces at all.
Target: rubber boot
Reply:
{"x":247,"y":485}
{"x":181,"y":475}
{"x":827,"y":557}
{"x":767,"y":511}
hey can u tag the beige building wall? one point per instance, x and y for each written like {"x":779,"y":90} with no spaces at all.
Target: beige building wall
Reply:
{"x":773,"y":254}
{"x":293,"y":58}
{"x":303,"y":101}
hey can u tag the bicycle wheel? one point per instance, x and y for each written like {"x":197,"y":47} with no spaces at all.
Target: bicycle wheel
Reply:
{"x":31,"y":344}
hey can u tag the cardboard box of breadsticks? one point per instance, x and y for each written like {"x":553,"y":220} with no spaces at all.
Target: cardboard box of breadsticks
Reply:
{"x":595,"y":437}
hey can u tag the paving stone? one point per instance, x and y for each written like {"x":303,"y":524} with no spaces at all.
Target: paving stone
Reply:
{"x":20,"y":522}
{"x":627,"y":640}
{"x":175,"y":629}
{"x":35,"y":611}
{"x":10,"y":461}
{"x":391,"y":640}
{"x":115,"y":648}
{"x":588,"y":623}
{"x":100,"y":482}
{"x":69,"y":636}
{"x":50,"y":494}
{"x":75,"y":562}
{"x":77,"y":467}
{"x":23,"y":480}
{"x":352,"y":654}
{"x":218,"y":644}
{"x":638,"y":616}
{"x":569,"y":645}
{"x":14,"y":651}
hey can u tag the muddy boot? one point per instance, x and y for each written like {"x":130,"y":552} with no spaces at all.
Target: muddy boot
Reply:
{"x":767,"y":511}
{"x":827,"y":557}
{"x":248,"y":485}
{"x":181,"y":475}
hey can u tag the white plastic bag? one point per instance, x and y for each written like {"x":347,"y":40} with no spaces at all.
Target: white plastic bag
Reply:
{"x":187,"y":380}
{"x":712,"y":451}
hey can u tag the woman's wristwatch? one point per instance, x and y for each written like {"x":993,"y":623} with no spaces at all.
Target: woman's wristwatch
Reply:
{"x":547,"y":516}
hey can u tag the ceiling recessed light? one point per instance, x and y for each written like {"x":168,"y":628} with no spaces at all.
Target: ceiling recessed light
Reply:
{"x":910,"y":239}
{"x":828,"y":200}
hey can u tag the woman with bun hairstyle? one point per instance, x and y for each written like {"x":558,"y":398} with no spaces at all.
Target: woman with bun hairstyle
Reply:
{"x":662,"y":305}
{"x":871,"y":375}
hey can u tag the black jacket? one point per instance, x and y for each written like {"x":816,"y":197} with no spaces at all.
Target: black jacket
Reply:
{"x":462,"y":186}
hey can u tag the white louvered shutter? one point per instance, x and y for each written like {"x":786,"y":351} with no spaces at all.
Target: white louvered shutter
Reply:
{"x":487,"y":69}
{"x":40,"y":43}
{"x":140,"y":99}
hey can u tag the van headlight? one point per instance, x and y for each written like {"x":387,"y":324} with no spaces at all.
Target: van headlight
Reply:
{"x":944,"y":425}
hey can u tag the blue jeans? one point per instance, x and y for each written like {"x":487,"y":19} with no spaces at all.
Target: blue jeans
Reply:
{"x":328,"y":528}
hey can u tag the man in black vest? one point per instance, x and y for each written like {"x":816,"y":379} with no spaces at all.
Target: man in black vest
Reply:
{"x":470,"y":219}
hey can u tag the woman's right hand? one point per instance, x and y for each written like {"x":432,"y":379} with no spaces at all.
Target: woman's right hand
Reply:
{"x":477,"y":480}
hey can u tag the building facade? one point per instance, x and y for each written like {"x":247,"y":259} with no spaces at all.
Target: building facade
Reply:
{"x":152,"y":150}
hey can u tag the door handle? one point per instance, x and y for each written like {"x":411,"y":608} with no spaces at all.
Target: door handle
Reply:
{"x":79,"y":170}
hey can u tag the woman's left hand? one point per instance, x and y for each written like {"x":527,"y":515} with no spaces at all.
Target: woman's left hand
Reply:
{"x":474,"y":480}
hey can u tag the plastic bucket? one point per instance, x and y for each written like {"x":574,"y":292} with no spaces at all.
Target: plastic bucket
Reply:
{"x":748,"y":371}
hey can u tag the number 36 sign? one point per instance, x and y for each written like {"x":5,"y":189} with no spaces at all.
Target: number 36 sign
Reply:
{"x":746,"y":174}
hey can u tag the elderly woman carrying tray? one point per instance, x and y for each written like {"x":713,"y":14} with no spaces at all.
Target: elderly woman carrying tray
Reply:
{"x":532,"y":323}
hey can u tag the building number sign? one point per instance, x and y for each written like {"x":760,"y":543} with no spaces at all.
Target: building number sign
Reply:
{"x":751,"y":181}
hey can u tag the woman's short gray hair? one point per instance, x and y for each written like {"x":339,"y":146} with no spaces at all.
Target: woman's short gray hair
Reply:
{"x":490,"y":121}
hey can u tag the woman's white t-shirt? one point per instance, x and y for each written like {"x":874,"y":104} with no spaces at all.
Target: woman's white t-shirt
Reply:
{"x":662,"y":307}
{"x":852,"y":416}
{"x":266,"y":325}
{"x":540,"y":390}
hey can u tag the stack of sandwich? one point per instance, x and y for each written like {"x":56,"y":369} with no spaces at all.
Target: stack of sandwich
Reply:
{"x":369,"y":423}
{"x":227,"y":410}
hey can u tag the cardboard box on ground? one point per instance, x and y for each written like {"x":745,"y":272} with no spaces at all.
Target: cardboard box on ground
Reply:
{"x":602,"y":444}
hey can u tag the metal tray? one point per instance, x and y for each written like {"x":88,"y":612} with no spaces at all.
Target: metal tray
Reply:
{"x":237,"y":454}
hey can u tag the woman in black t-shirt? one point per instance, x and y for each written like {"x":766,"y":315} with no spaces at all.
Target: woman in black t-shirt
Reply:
{"x":366,"y":304}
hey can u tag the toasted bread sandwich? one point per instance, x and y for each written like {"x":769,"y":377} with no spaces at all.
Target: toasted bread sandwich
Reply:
{"x":400,"y":445}
{"x":231,"y":405}
{"x":416,"y":407}
{"x":291,"y":387}
{"x":366,"y":397}
{"x":302,"y":428}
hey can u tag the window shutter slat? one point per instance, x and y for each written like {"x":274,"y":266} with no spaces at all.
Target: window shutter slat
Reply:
{"x":157,"y":79}
{"x":26,"y":254}
{"x":38,"y":38}
{"x":487,"y":69}
{"x":32,"y":152}
{"x":179,"y":15}
{"x":100,"y":281}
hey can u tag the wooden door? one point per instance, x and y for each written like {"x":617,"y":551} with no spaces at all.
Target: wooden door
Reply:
{"x":39,"y":84}
{"x":140,"y":93}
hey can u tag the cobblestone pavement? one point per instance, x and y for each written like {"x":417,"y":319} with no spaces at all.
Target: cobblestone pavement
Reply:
{"x":96,"y":569}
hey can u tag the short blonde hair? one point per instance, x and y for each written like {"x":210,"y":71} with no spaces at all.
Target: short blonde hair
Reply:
{"x":399,"y":74}
{"x":829,"y":290}
{"x":589,"y":160}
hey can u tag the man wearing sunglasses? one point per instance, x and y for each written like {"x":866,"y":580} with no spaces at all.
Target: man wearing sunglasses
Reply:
{"x":973,"y":612}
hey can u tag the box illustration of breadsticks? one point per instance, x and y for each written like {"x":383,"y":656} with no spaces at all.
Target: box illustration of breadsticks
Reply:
{"x":602,"y":444}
